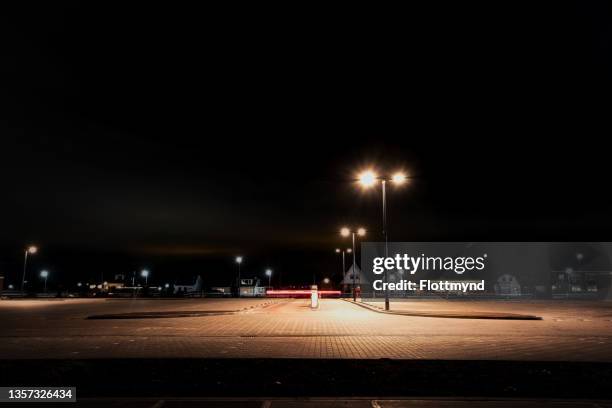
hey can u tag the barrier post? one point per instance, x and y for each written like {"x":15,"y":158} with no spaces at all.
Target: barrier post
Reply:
{"x":314,"y":297}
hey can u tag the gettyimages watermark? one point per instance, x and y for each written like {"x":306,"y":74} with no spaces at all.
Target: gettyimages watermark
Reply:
{"x":507,"y":269}
{"x":411,"y":265}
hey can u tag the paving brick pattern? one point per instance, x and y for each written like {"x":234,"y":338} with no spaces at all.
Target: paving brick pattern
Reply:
{"x":290,"y":329}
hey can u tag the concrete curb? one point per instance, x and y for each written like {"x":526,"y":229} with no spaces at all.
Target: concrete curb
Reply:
{"x":177,"y":313}
{"x":450,"y":315}
{"x":264,"y":304}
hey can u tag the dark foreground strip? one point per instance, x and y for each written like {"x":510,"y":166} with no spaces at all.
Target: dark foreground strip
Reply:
{"x":330,"y":403}
{"x":313,"y":378}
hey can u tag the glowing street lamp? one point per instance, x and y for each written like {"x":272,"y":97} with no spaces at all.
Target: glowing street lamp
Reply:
{"x":399,"y":178}
{"x":29,"y":250}
{"x":367,"y":179}
{"x":145,"y":274}
{"x":345,"y":232}
{"x":239,"y":262}
{"x":269,"y":275}
{"x":44,"y":275}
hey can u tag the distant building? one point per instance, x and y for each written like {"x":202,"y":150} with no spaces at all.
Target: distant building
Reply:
{"x":507,"y":285}
{"x":251,"y":288}
{"x":185,"y":289}
{"x":110,"y":286}
{"x":360,"y":279}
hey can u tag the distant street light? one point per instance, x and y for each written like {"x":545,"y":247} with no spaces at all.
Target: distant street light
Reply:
{"x":239,"y":262}
{"x":326,"y":281}
{"x":44,"y":275}
{"x":368,"y":179}
{"x":343,"y":251}
{"x":29,"y":250}
{"x":269,"y":275}
{"x":345,"y":232}
{"x":145,"y":274}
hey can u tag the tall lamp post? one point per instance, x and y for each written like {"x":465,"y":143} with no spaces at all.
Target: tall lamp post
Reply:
{"x":29,"y":250}
{"x":239,"y":261}
{"x":269,"y":275}
{"x":343,"y":252}
{"x":345,"y":232}
{"x":369,"y":178}
{"x":145,"y":274}
{"x":44,"y":275}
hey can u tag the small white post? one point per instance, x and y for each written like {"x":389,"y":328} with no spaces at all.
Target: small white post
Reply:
{"x":314,"y":297}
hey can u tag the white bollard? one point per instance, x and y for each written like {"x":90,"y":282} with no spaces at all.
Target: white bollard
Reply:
{"x":314,"y":297}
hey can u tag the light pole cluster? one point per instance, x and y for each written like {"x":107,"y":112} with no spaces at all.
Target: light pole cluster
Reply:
{"x":239,"y":259}
{"x":368,"y":179}
{"x":345,"y":232}
{"x":31,"y":250}
{"x":144,"y":273}
{"x":44,"y":274}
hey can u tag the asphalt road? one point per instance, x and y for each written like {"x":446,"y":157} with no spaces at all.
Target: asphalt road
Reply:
{"x":256,"y":328}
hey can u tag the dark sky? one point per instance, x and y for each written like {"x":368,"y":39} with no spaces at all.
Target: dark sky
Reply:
{"x":173,"y":139}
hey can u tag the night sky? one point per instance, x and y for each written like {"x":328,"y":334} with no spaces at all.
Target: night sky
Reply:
{"x":175,"y":139}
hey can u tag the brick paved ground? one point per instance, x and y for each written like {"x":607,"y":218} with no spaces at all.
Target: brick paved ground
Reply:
{"x":290,"y":329}
{"x":557,"y":310}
